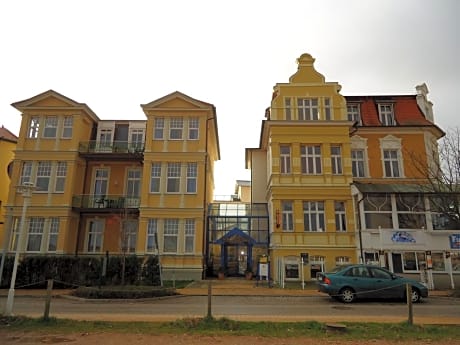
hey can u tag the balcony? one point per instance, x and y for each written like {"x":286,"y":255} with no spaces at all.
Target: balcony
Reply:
{"x":105,"y":203}
{"x":114,"y":150}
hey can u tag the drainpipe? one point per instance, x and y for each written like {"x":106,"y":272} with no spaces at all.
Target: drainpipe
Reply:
{"x":205,"y":206}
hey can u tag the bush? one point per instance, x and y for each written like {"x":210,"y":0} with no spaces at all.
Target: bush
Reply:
{"x":126,"y":292}
{"x":72,"y":271}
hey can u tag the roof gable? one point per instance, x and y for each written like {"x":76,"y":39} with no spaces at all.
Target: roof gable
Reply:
{"x":177,"y":100}
{"x":48,"y":98}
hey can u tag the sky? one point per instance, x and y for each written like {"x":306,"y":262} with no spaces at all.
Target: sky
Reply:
{"x":115,"y":55}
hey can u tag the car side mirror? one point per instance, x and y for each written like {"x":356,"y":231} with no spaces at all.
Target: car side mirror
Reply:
{"x":394,"y":276}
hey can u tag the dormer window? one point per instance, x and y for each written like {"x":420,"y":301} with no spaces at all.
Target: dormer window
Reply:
{"x":386,"y":114}
{"x":354,"y":113}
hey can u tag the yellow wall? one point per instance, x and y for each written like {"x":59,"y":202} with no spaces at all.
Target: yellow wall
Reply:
{"x":6,"y":157}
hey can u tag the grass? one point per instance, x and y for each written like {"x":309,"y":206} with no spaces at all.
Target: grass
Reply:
{"x":224,"y":326}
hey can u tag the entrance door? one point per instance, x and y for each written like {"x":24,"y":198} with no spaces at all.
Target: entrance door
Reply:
{"x":397,"y":262}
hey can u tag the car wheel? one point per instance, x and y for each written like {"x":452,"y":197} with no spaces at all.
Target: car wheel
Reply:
{"x":347,"y":295}
{"x":415,"y":295}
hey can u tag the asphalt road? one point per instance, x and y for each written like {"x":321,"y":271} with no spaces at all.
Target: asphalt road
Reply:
{"x":431,"y":311}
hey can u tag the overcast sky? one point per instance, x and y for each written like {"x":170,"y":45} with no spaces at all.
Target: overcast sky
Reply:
{"x":115,"y":55}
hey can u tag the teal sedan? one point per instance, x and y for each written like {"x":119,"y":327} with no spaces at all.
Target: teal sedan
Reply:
{"x":349,"y":282}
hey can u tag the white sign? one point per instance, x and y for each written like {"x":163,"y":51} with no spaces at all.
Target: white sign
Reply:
{"x":263,"y":270}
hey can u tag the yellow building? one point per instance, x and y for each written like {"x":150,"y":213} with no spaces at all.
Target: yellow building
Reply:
{"x":7,"y":146}
{"x":118,"y":186}
{"x":302,"y":169}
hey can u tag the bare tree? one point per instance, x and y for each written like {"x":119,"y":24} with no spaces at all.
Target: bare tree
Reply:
{"x":440,"y":172}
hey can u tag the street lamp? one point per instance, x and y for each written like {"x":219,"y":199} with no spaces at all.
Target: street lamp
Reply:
{"x":26,"y":190}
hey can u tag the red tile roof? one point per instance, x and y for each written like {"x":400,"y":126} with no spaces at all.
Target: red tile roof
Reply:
{"x":5,"y":134}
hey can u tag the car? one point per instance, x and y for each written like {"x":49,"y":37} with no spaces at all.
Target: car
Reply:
{"x":349,"y":282}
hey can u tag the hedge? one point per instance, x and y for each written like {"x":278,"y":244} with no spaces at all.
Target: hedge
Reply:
{"x":119,"y":292}
{"x":73,"y":271}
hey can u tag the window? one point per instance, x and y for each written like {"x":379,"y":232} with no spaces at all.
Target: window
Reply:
{"x":307,"y":108}
{"x":438,"y":261}
{"x":285,"y":159}
{"x":455,"y":258}
{"x":287,"y":107}
{"x":173,"y":183}
{"x":155,"y":177}
{"x":15,"y":226}
{"x":353,"y":113}
{"x":191,"y":177}
{"x":34,"y":126}
{"x":443,"y":214}
{"x":386,"y":114}
{"x":101,"y":181}
{"x":61,"y":172}
{"x":193,"y":127}
{"x":105,"y":140}
{"x":391,"y":163}
{"x":342,"y":260}
{"x":189,"y":235}
{"x":53,"y":234}
{"x":336,"y":160}
{"x":133,"y":183}
{"x":50,"y":127}
{"x":171,"y":230}
{"x":152,"y":232}
{"x":371,"y":258}
{"x":287,"y":216}
{"x":340,"y":219}
{"x":378,"y":273}
{"x":159,"y":128}
{"x":377,"y":211}
{"x":26,"y":173}
{"x":411,"y":211}
{"x":357,"y":163}
{"x":137,"y":139}
{"x":414,"y":261}
{"x":130,"y":236}
{"x":67,"y":127}
{"x":96,"y":228}
{"x":327,"y":109}
{"x":313,"y":215}
{"x":34,"y":240}
{"x":176,"y":125}
{"x":310,"y":159}
{"x":43,"y":176}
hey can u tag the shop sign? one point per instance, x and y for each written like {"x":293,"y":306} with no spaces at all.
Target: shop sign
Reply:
{"x":454,"y":241}
{"x":402,"y":237}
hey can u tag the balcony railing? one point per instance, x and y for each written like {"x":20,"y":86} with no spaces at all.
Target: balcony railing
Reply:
{"x":105,"y":202}
{"x":117,"y":146}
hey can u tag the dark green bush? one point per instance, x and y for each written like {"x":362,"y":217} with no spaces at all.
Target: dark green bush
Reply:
{"x":122,"y":292}
{"x":72,"y":271}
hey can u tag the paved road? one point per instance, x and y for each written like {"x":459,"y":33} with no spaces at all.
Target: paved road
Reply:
{"x":433,"y":310}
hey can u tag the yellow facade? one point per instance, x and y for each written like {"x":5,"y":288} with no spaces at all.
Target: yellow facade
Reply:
{"x":306,"y":114}
{"x":96,"y":180}
{"x":7,"y":146}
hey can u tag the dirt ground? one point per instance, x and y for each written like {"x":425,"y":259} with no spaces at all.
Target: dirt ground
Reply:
{"x":7,"y":338}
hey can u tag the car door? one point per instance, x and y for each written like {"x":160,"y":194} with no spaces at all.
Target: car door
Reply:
{"x":384,"y":286}
{"x":360,"y":280}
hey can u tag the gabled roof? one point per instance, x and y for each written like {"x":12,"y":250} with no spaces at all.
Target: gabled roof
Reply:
{"x":174,"y":95}
{"x":35,"y":102}
{"x":235,"y":236}
{"x":6,"y":135}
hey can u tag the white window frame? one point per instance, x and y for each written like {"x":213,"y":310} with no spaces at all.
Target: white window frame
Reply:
{"x":176,"y":128}
{"x":136,"y":137}
{"x":61,"y":174}
{"x":193,"y":128}
{"x":34,"y":127}
{"x":53,"y":234}
{"x":130,"y":236}
{"x":192,"y":176}
{"x":35,"y":232}
{"x":354,"y":113}
{"x":43,"y":176}
{"x":311,"y":159}
{"x":287,"y":216}
{"x":386,"y":114}
{"x":67,"y":127}
{"x":308,"y":109}
{"x":95,"y":236}
{"x":155,"y":177}
{"x":133,"y":182}
{"x":358,"y":165}
{"x":285,"y":159}
{"x":391,"y":163}
{"x":170,"y":232}
{"x":173,"y":177}
{"x":287,"y":107}
{"x":336,"y":159}
{"x":26,"y":173}
{"x":327,"y":109}
{"x":342,"y":260}
{"x":158,"y":132}
{"x":314,"y":216}
{"x":340,"y":216}
{"x":189,"y":238}
{"x":152,"y":236}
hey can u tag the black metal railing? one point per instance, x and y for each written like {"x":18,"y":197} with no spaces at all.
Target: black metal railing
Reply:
{"x":117,"y":146}
{"x":105,"y":201}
